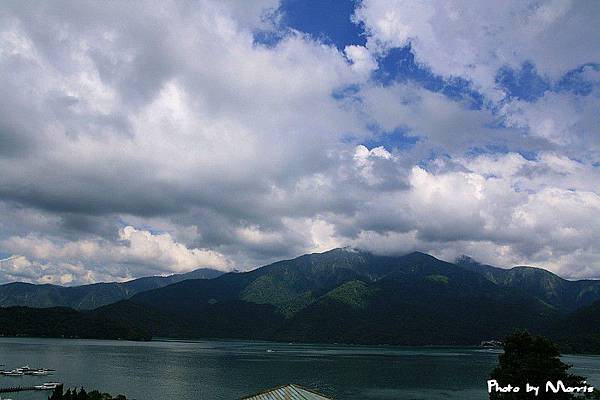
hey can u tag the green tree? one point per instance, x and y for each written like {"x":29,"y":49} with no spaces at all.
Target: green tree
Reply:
{"x":57,"y":394}
{"x":82,"y":395}
{"x":533,"y":360}
{"x":96,"y":395}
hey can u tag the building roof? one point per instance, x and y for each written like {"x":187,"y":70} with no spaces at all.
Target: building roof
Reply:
{"x":287,"y":392}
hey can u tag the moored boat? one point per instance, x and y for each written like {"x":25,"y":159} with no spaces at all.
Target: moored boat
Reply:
{"x":40,"y":372}
{"x":48,"y":386}
{"x":25,"y":370}
{"x":13,"y":372}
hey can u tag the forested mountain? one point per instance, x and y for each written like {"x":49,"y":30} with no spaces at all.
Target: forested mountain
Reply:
{"x":350,"y":296}
{"x":580,"y":331}
{"x":68,"y":323}
{"x":554,"y":290}
{"x":87,"y":297}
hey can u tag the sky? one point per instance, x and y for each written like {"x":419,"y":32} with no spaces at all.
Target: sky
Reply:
{"x":157,"y":137}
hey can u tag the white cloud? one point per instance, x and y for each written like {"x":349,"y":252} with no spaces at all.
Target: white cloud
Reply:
{"x":362,"y":60}
{"x":474,"y":39}
{"x":137,"y":252}
{"x":239,"y":154}
{"x":366,"y":159}
{"x":449,"y":125}
{"x":564,"y":119}
{"x":22,"y":269}
{"x":161,"y":250}
{"x":503,"y":209}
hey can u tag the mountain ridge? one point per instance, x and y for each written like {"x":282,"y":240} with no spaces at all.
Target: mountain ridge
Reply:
{"x":401,"y":300}
{"x":555,"y":290}
{"x":87,"y":297}
{"x":356,"y":297}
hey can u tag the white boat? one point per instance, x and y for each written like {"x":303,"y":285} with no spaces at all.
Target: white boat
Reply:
{"x":14,"y":372}
{"x":41,"y":372}
{"x":48,"y":386}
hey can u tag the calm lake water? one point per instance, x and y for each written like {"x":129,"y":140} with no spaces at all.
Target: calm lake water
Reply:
{"x":177,"y":370}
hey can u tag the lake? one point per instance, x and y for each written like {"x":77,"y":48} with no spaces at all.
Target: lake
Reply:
{"x":184,"y":370}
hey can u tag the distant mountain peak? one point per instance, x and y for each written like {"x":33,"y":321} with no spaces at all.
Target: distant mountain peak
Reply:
{"x":93,"y":295}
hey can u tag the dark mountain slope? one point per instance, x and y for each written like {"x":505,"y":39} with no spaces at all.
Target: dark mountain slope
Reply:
{"x":580,"y":331}
{"x":210,"y":308}
{"x":69,"y":323}
{"x":277,"y":284}
{"x":349,"y":296}
{"x":287,"y":285}
{"x":445,"y":307}
{"x":561,"y":293}
{"x":77,"y":297}
{"x":88,"y":296}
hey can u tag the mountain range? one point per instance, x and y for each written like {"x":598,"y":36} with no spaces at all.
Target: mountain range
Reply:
{"x":351,"y":296}
{"x":560,"y":293}
{"x":87,"y":297}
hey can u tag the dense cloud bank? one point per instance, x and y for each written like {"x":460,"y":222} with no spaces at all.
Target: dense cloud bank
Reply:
{"x":158,"y":137}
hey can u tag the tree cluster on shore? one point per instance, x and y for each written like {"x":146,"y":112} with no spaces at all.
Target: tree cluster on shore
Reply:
{"x":81,"y":394}
{"x":530,"y":362}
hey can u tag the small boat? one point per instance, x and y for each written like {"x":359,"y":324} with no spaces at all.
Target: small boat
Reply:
{"x":40,"y":372}
{"x":48,"y":386}
{"x":14,"y":372}
{"x":269,"y":350}
{"x":491,"y":344}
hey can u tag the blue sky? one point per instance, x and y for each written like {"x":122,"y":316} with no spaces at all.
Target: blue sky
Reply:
{"x":329,"y":21}
{"x":332,"y":22}
{"x":155,"y":140}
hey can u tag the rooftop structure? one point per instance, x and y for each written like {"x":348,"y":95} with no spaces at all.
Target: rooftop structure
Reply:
{"x":287,"y":392}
